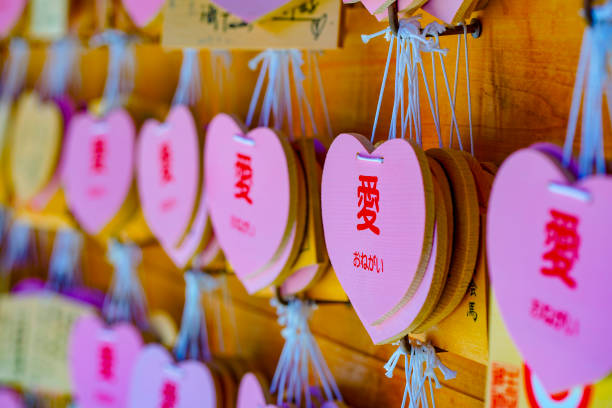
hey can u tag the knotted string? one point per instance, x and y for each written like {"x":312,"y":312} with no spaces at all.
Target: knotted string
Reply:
{"x":418,"y":369}
{"x":469,"y":97}
{"x":298,"y":83}
{"x":291,"y":378}
{"x":435,"y":29}
{"x":283,"y":71}
{"x":189,"y":89}
{"x":192,"y":341}
{"x":222,"y":302}
{"x":15,"y":69}
{"x":314,"y":62}
{"x":61,"y":67}
{"x":64,"y":264}
{"x":120,"y":76}
{"x":125,"y":301}
{"x":593,"y":80}
{"x":390,"y":38}
{"x":411,"y":42}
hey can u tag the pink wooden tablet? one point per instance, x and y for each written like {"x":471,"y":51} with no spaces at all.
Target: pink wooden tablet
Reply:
{"x":375,"y":220}
{"x":549,"y":253}
{"x":10,"y":399}
{"x":251,"y":10}
{"x":142,"y":12}
{"x":98,"y":172}
{"x":158,"y":382}
{"x":101,"y":361}
{"x":251,"y":393}
{"x":248,"y":191}
{"x":168,"y":174}
{"x":401,"y":320}
{"x":269,"y":273}
{"x":10,"y":13}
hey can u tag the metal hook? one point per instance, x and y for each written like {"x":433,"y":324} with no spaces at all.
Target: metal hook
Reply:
{"x":407,"y":347}
{"x":285,"y":302}
{"x":474,"y":27}
{"x":588,"y":11}
{"x":393,"y":17}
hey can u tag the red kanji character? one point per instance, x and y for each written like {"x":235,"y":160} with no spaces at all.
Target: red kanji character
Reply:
{"x":499,"y":401}
{"x":368,"y":201}
{"x":168,"y":395}
{"x":563,"y":241}
{"x":244,"y":176}
{"x":106,"y":362}
{"x":165,"y":156}
{"x":499,"y":375}
{"x":98,"y":154}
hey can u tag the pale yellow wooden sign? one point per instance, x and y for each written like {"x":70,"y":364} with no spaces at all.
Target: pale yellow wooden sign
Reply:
{"x":34,"y":340}
{"x":35,"y":147}
{"x":48,"y":19}
{"x":303,"y":24}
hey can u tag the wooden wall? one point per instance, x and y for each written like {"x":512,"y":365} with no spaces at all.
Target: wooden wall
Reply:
{"x":522,"y":72}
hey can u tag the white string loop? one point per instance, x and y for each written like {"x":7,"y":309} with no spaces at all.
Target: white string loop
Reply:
{"x":221,"y":61}
{"x":192,"y":341}
{"x":61,"y":67}
{"x":64,"y":269}
{"x":189,"y":88}
{"x":121,"y":64}
{"x":278,"y":67}
{"x":291,"y":378}
{"x":125,"y":301}
{"x":592,"y":79}
{"x":315,"y":62}
{"x":19,"y":247}
{"x":15,"y":69}
{"x":453,"y":100}
{"x":418,"y":370}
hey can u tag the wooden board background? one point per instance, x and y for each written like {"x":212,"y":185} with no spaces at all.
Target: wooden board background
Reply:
{"x":522,"y":72}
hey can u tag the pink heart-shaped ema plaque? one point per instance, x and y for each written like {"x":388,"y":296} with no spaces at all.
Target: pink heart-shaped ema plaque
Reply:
{"x":10,"y":12}
{"x":400,"y":321}
{"x":168,"y":174}
{"x":10,"y":399}
{"x":378,"y":220}
{"x":251,"y":392}
{"x":250,"y":180}
{"x":158,"y":382}
{"x":101,"y":362}
{"x":98,"y":171}
{"x":250,"y":10}
{"x":142,"y":12}
{"x":548,"y":247}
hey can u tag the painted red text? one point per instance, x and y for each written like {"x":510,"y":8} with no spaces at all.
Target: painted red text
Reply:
{"x":557,"y":319}
{"x":367,"y":262}
{"x":368,"y":196}
{"x":165,"y":157}
{"x":244,"y":177}
{"x":168,"y":395}
{"x":562,"y":245}
{"x":98,"y":154}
